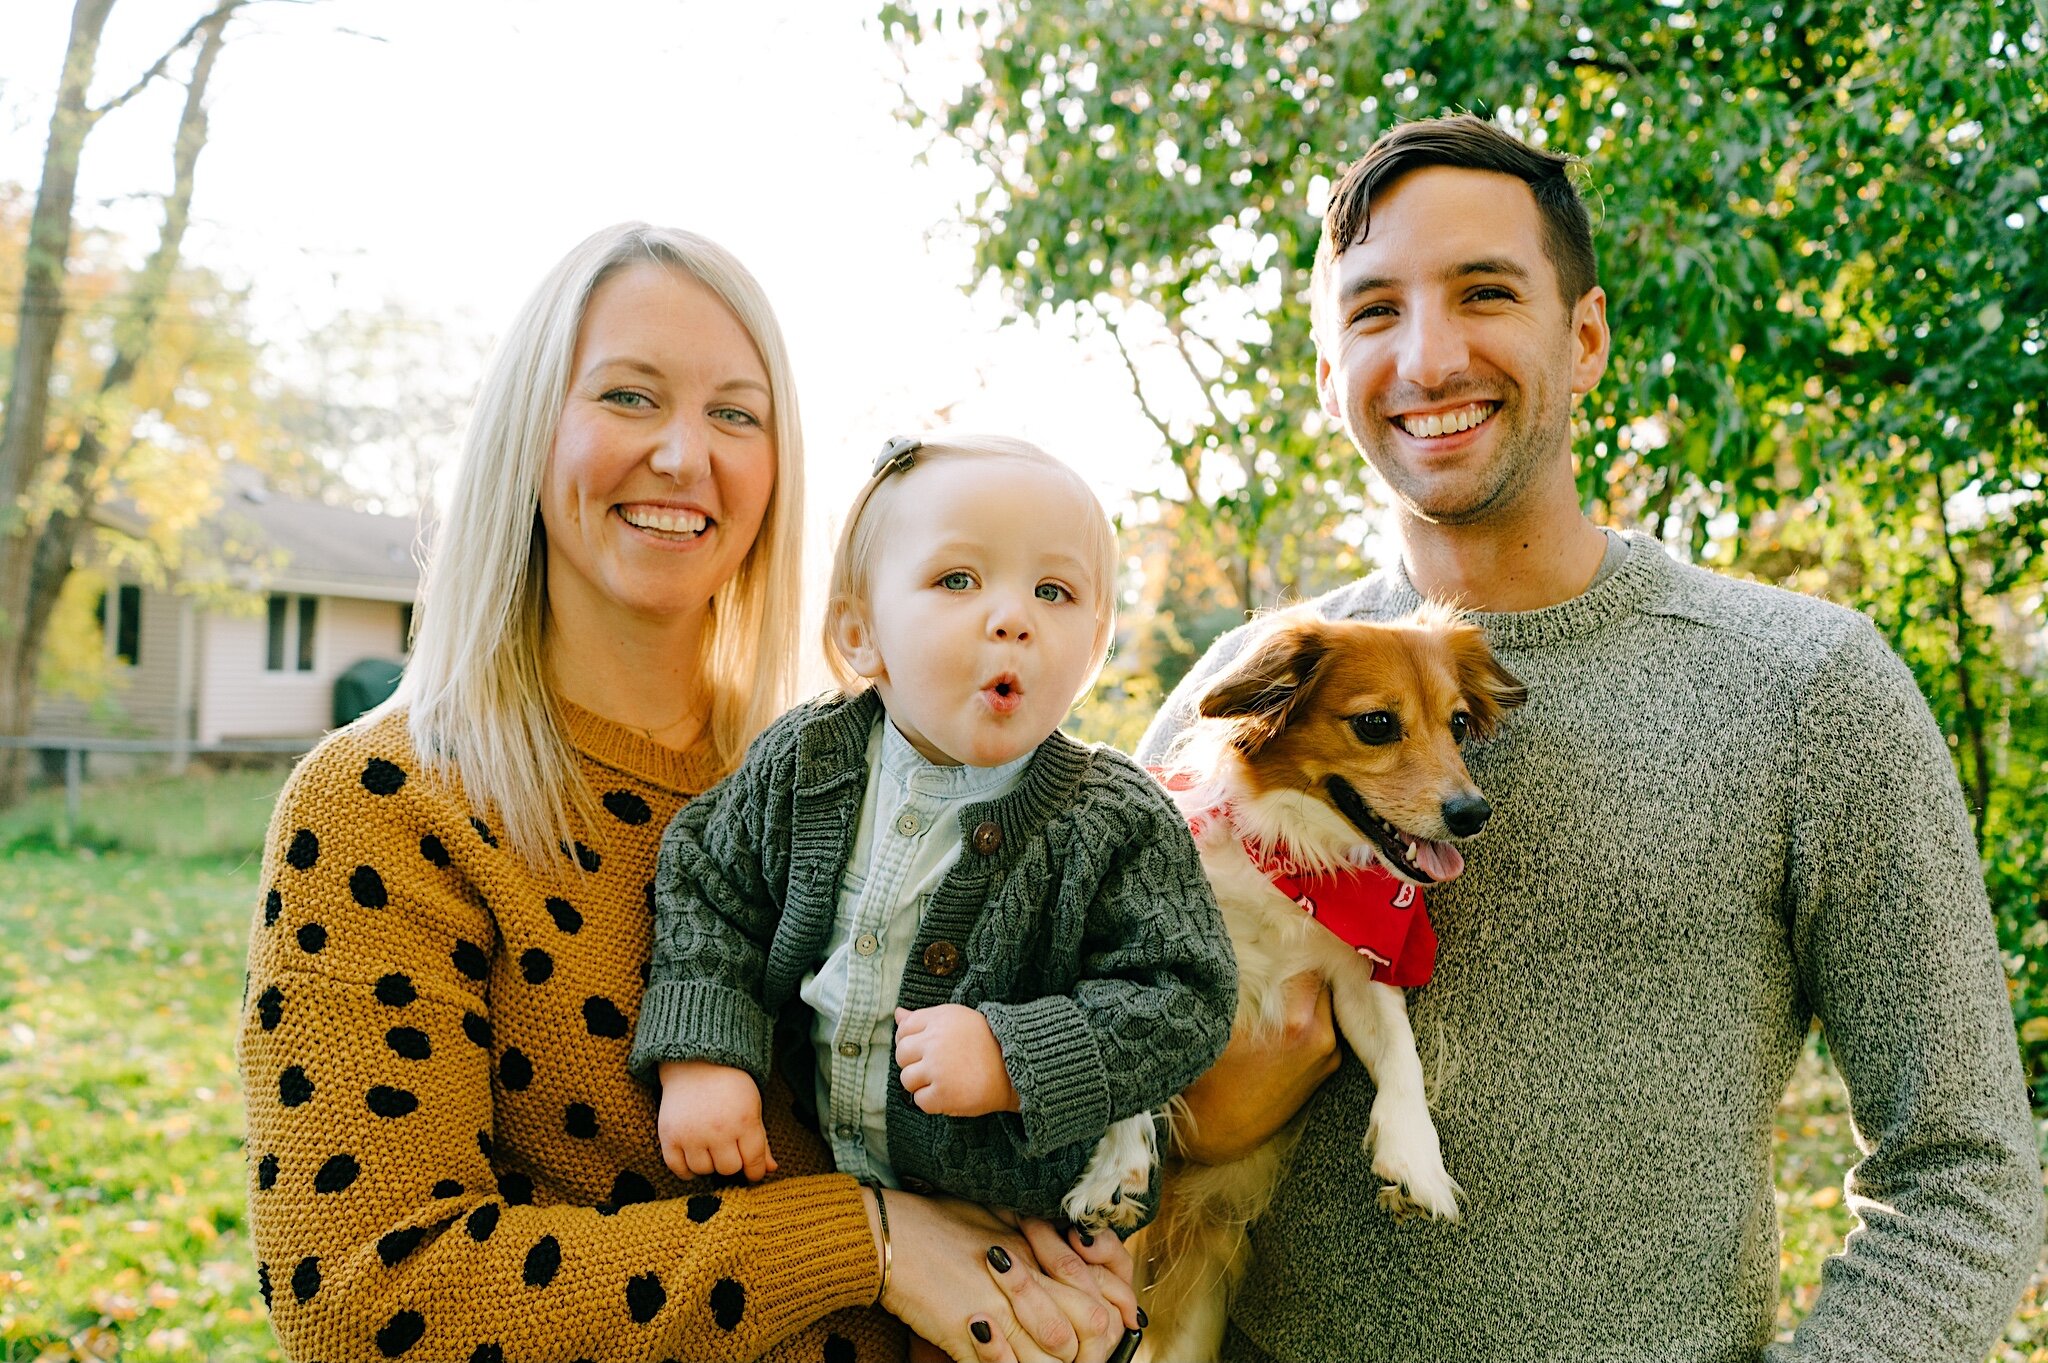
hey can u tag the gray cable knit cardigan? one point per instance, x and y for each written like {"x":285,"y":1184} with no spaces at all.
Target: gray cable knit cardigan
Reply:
{"x":1077,"y":920}
{"x":1725,"y":811}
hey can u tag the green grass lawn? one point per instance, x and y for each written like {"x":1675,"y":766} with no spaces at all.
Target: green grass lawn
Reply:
{"x":121,"y":1177}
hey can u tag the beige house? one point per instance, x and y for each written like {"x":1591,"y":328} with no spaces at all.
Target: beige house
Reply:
{"x":335,"y":587}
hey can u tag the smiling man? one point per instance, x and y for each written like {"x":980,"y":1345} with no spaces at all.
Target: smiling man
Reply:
{"x":1725,"y":812}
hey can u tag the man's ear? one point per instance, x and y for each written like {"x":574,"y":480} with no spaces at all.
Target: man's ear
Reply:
{"x":1490,"y":690}
{"x":1260,"y":691}
{"x":854,"y":638}
{"x":1590,"y":339}
{"x":1326,"y":387}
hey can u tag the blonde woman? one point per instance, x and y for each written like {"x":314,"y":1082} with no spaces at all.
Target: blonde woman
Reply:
{"x":447,"y":1158}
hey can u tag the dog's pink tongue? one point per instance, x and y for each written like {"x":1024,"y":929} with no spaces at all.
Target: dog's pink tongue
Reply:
{"x":1439,"y":860}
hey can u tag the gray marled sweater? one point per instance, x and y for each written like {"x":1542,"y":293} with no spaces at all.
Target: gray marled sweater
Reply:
{"x":1077,"y":920}
{"x":1724,"y":811}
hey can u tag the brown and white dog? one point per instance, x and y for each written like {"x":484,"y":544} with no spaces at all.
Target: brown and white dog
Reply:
{"x":1328,"y":749}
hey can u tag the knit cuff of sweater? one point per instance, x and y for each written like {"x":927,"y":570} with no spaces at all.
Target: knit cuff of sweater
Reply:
{"x":693,"y":1020}
{"x":1049,"y":1051}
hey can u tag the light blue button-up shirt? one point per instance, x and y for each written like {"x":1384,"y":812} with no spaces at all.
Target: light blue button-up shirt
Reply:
{"x":908,"y":838}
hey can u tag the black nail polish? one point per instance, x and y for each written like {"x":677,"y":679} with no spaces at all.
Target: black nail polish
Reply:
{"x":999,"y":1258}
{"x":1086,"y":1238}
{"x":982,"y":1334}
{"x":1143,"y":1320}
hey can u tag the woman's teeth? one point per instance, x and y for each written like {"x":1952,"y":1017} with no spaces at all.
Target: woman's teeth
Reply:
{"x":1447,"y":423}
{"x":667,"y":522}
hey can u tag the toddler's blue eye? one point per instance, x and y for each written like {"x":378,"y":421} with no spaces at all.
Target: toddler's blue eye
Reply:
{"x":1053,"y":591}
{"x":959,"y":580}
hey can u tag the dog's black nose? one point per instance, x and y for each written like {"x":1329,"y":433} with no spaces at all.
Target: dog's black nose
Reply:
{"x":1465,"y":815}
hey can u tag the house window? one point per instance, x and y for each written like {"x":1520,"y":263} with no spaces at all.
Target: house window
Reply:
{"x":283,"y":641}
{"x":120,"y":615}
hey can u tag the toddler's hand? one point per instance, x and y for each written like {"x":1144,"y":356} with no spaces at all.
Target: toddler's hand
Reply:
{"x":710,"y":1121}
{"x":951,"y":1063}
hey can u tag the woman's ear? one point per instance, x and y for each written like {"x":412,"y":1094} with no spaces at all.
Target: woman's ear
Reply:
{"x":855,"y":640}
{"x":1260,"y":691}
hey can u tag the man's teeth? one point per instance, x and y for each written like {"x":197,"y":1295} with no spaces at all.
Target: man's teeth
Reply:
{"x":671,"y":522}
{"x":1447,"y":423}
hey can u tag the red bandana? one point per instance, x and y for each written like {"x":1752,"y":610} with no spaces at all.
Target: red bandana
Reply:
{"x":1375,"y":912}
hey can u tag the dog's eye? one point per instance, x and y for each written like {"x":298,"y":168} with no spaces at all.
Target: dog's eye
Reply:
{"x":1376,"y":728}
{"x":1460,"y":723}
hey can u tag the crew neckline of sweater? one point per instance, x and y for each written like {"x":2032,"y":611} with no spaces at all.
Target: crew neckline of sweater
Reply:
{"x":686,"y":771}
{"x":1646,"y":568}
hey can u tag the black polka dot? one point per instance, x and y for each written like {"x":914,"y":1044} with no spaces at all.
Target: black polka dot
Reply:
{"x":447,"y":1187}
{"x":469,"y":958}
{"x":337,"y":1174}
{"x":409,"y":1043}
{"x":390,"y":1102}
{"x":728,"y":1303}
{"x":482,"y":1222}
{"x":627,"y":807}
{"x":644,"y":1298}
{"x":366,"y":887}
{"x":488,"y":1353}
{"x":584,"y":856}
{"x":312,"y":939}
{"x":400,"y":1333}
{"x":273,"y":905}
{"x":434,"y":850}
{"x":483,"y":830}
{"x":396,"y":991}
{"x":542,"y":1262}
{"x":536,"y":965}
{"x":399,"y":1243}
{"x":603,"y":1017}
{"x":266,"y":1173}
{"x":514,"y":1069}
{"x":702,"y":1207}
{"x":270,"y":1008}
{"x":580,"y":1121}
{"x":516,"y":1188}
{"x":263,"y":1281}
{"x":483,"y":1143}
{"x":629,"y":1189}
{"x":294,"y":1088}
{"x":304,"y":851}
{"x":477,"y":1028}
{"x":306,"y":1278}
{"x":383,"y":778}
{"x":565,"y":915}
{"x":839,"y":1349}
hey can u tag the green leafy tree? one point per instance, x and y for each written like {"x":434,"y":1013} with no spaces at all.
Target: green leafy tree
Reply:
{"x":1820,"y":229}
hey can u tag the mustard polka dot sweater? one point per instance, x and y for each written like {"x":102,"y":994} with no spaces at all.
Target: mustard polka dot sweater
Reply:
{"x":447,"y":1157}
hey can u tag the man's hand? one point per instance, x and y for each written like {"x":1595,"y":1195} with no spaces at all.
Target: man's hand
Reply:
{"x":710,"y":1121}
{"x":951,"y":1063}
{"x":1253,"y":1091}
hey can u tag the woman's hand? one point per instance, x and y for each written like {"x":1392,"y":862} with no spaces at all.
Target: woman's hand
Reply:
{"x":1252,"y":1091}
{"x":960,"y":1271}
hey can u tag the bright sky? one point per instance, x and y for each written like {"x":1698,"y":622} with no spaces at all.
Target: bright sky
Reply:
{"x":441,"y":154}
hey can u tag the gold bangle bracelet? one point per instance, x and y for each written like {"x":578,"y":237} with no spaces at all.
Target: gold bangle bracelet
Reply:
{"x":888,"y":1254}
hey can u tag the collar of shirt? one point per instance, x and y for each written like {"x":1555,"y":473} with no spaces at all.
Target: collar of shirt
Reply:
{"x":909,"y":768}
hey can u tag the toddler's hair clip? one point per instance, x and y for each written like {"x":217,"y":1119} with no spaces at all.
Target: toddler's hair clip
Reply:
{"x":897,"y":456}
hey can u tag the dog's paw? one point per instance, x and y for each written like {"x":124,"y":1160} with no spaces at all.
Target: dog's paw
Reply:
{"x":1109,"y":1194}
{"x":1405,"y":1153}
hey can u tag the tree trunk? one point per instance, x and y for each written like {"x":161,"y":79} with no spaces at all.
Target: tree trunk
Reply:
{"x":22,"y":435}
{"x":36,"y":557}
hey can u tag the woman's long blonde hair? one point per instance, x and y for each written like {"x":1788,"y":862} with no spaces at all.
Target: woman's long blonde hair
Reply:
{"x":480,"y":709}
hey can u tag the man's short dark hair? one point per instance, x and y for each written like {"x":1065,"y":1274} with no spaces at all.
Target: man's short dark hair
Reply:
{"x":1468,"y":143}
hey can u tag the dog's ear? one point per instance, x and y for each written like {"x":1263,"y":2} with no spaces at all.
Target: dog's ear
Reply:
{"x":1260,"y":691}
{"x":1490,"y":690}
